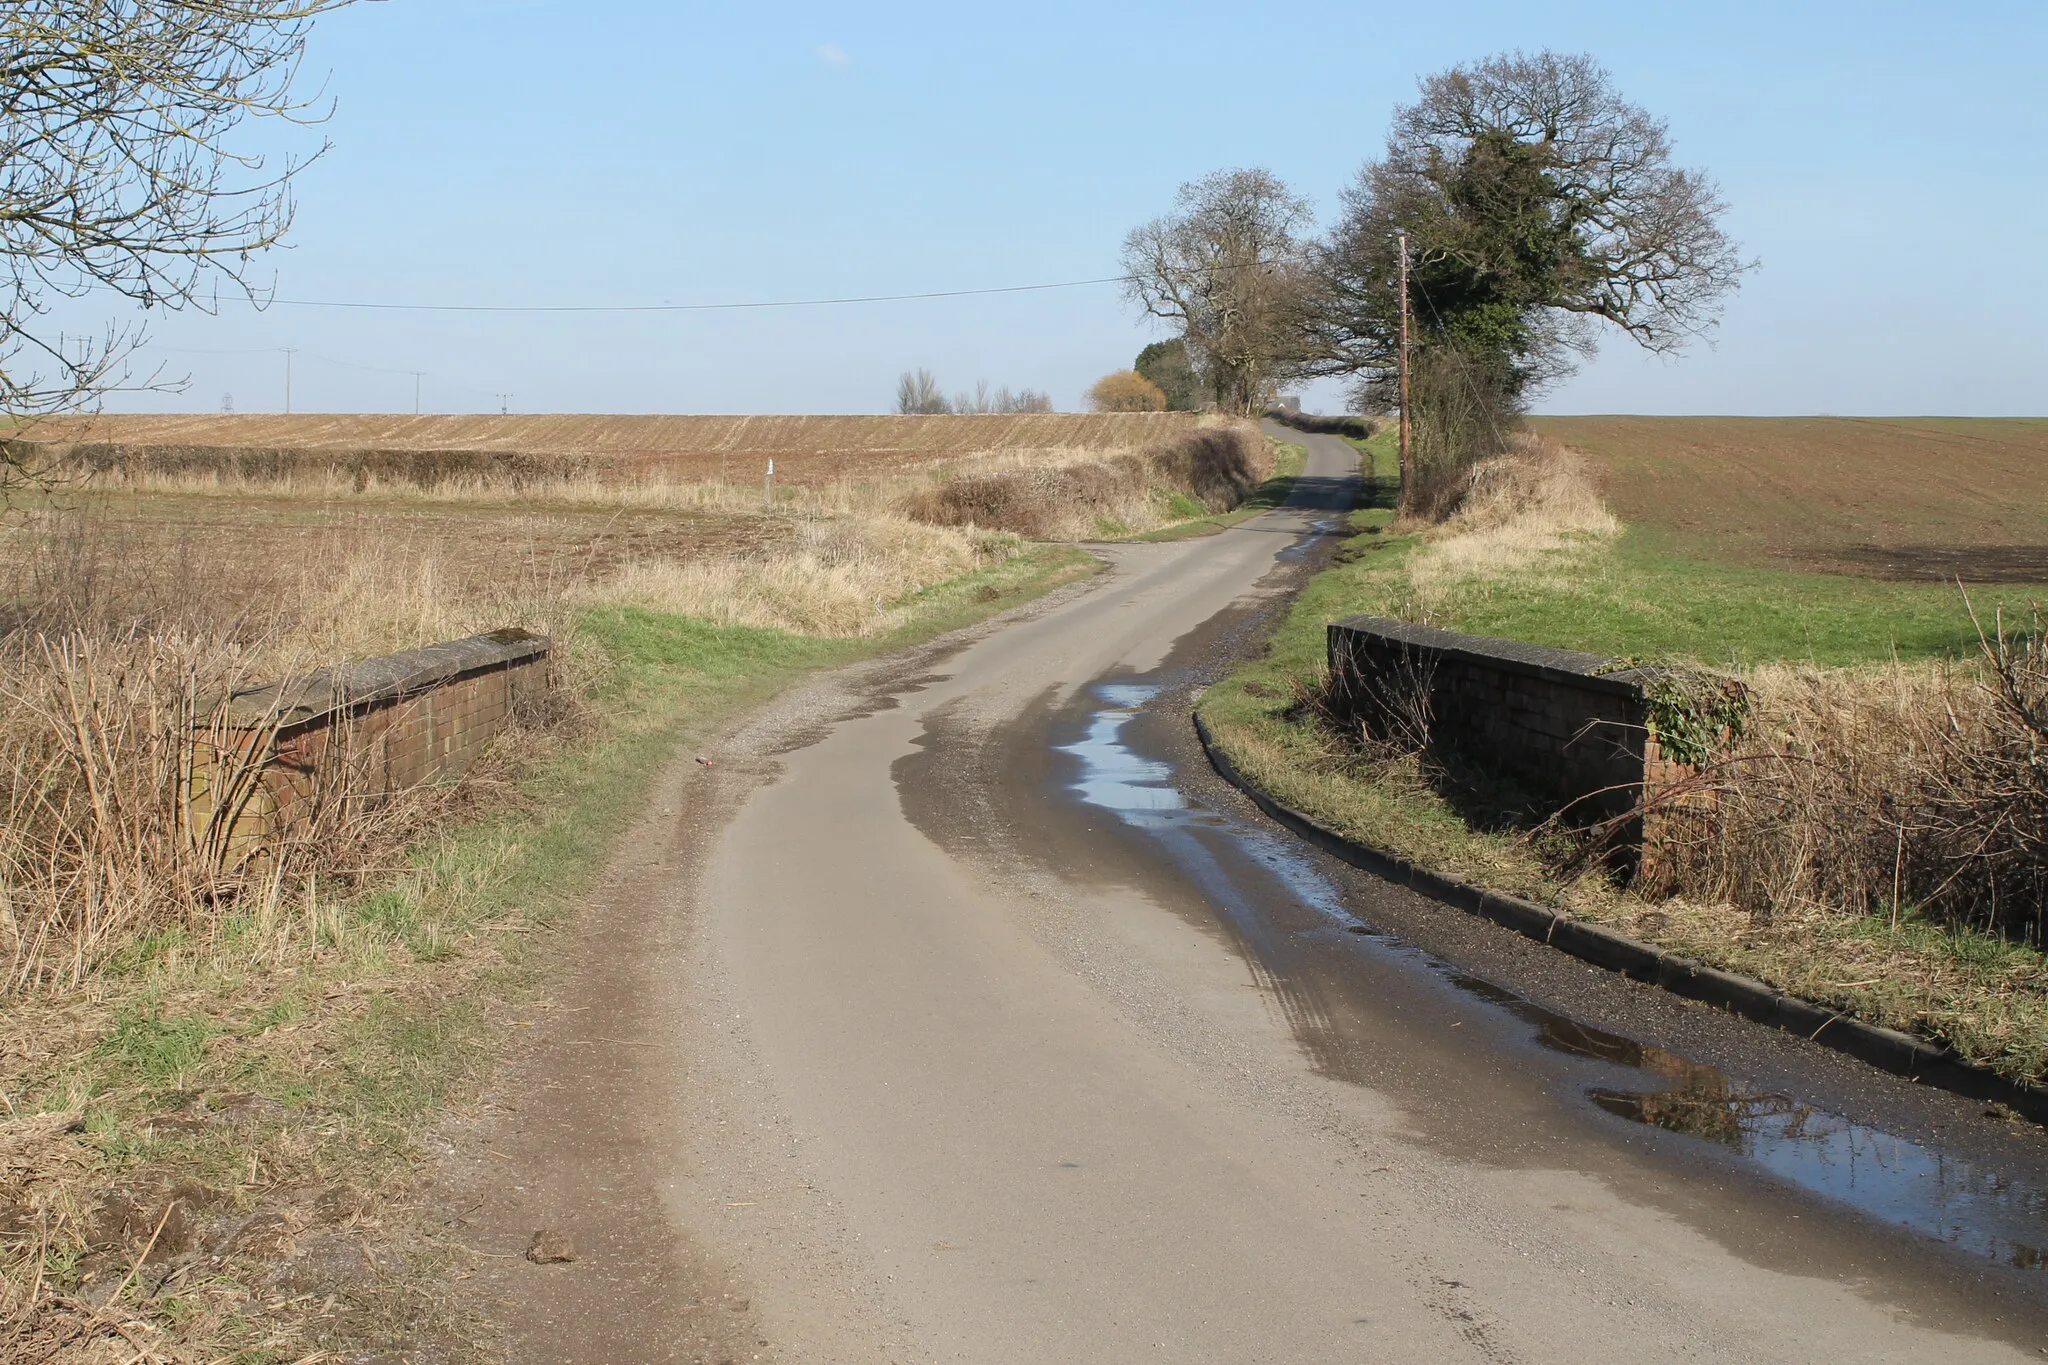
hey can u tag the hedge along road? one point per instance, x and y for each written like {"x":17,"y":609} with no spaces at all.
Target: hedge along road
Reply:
{"x":1011,"y":1037}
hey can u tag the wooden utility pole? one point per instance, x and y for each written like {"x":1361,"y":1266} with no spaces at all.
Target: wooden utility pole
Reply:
{"x":1401,"y":236}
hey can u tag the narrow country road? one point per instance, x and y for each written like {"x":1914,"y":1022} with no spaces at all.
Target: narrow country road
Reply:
{"x":1011,"y":1036}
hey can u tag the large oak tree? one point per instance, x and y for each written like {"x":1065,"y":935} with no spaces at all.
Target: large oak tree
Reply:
{"x":1538,"y":204}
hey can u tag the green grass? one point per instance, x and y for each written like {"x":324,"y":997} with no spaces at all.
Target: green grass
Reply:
{"x":1646,"y":594}
{"x":1637,"y":596}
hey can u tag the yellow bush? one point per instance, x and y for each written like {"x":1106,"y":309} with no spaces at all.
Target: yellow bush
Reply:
{"x":1126,"y":391}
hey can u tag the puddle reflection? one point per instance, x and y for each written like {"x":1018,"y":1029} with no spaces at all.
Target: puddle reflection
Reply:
{"x":1900,"y":1181}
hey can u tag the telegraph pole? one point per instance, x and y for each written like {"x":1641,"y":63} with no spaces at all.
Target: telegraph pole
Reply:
{"x":416,"y":391}
{"x":1401,"y":236}
{"x":504,"y":404}
{"x":288,"y":354}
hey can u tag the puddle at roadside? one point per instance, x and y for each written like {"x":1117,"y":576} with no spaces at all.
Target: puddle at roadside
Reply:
{"x":1326,"y":526}
{"x":1904,"y":1183}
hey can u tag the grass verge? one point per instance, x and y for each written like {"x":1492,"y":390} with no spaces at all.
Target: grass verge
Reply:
{"x":1289,"y":460}
{"x":1984,"y":995}
{"x":187,"y":1140}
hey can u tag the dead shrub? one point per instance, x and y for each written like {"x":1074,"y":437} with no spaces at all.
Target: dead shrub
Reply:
{"x":1216,"y":466}
{"x":1523,"y":510}
{"x":113,"y":662}
{"x":1882,"y":792}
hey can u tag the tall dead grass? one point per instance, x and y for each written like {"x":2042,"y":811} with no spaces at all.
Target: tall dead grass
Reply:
{"x":113,"y":659}
{"x":1524,"y":511}
{"x":1215,"y":468}
{"x":844,"y":576}
{"x":1881,"y":791}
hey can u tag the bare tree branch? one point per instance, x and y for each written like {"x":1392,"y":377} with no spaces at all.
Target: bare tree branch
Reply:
{"x":1229,"y":268}
{"x":118,"y":174}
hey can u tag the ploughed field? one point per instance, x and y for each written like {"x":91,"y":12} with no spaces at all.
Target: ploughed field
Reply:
{"x":1903,"y":498}
{"x":674,"y":448}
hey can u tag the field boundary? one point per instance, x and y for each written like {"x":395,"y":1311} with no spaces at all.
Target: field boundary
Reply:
{"x":1902,"y":1054}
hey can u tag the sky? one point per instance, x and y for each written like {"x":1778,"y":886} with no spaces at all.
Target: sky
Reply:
{"x":1882,"y":162}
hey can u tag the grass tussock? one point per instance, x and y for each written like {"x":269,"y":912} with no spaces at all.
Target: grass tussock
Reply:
{"x":1521,"y":511}
{"x":846,"y":577}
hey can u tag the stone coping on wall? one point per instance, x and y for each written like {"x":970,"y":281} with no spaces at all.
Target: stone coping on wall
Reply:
{"x":1592,"y":672}
{"x":371,"y":681}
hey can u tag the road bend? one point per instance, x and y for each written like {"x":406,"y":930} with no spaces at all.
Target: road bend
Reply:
{"x":1027,"y":1042}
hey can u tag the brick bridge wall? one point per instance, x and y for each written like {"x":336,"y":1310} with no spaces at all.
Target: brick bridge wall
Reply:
{"x":270,"y":757}
{"x":1556,"y":720}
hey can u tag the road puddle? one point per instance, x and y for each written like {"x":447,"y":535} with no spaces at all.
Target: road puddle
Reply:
{"x":1902,"y":1182}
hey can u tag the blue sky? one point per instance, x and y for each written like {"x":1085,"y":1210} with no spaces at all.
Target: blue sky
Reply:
{"x":1882,"y":160}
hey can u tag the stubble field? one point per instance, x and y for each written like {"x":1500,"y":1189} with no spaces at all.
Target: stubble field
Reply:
{"x":806,"y":449}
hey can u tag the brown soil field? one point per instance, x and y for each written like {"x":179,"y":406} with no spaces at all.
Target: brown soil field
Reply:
{"x":1888,"y":497}
{"x":805,"y":449}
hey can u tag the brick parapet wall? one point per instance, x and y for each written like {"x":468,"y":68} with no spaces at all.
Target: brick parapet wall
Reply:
{"x":271,"y":758}
{"x":1558,"y":721}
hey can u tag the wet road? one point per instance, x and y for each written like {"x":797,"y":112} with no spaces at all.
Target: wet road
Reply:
{"x":1027,"y":1042}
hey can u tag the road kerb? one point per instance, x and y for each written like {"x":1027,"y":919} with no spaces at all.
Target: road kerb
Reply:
{"x":1887,"y":1049}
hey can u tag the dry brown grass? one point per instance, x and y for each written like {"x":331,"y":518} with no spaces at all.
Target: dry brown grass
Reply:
{"x":1525,"y":511}
{"x":1212,"y":468}
{"x":844,"y":576}
{"x":1899,"y":791}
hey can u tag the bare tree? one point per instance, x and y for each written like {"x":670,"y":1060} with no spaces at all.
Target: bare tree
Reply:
{"x":918,"y":394}
{"x":1023,"y":400}
{"x":118,"y":172}
{"x":985,"y":399}
{"x":1228,"y":268}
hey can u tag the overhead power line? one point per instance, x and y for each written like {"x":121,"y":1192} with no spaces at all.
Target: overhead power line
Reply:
{"x":390,"y":307}
{"x":691,"y":307}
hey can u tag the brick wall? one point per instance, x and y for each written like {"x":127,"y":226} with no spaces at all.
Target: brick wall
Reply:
{"x":271,"y":758}
{"x":1554,"y":719}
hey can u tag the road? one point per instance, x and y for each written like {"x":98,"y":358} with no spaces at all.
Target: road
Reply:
{"x":1001,"y":1032}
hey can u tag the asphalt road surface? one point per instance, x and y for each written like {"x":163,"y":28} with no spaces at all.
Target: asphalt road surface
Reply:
{"x":1002,"y":1032}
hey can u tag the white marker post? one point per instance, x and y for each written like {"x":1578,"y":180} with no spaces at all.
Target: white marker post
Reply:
{"x":768,"y":485}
